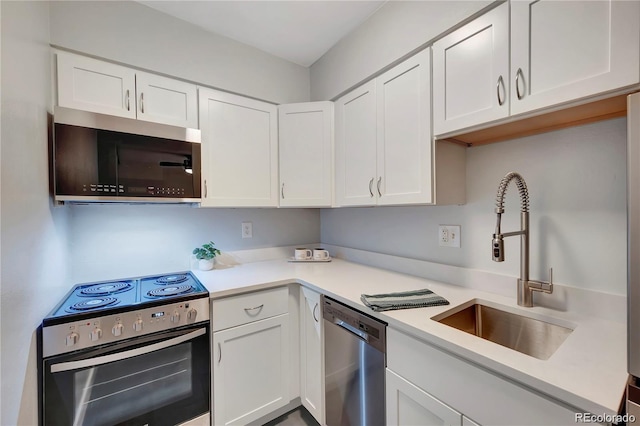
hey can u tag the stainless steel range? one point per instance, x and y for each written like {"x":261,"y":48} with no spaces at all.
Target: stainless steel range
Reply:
{"x":130,"y":351}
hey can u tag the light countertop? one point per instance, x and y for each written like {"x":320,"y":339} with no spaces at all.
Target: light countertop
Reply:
{"x":588,"y":371}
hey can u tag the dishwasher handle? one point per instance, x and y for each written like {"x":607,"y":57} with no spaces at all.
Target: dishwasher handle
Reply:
{"x":351,"y":329}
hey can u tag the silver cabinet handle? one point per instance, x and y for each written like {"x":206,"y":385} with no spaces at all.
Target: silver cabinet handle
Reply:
{"x":282,"y":191}
{"x":379,"y":182}
{"x":127,"y":100}
{"x":219,"y":352}
{"x":142,"y":102}
{"x":500,"y":83}
{"x":205,"y":188}
{"x":314,"y":312}
{"x":370,"y":185}
{"x":518,"y":74}
{"x":254,"y":308}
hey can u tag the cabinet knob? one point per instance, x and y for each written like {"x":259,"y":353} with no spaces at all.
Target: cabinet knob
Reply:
{"x":370,"y":185}
{"x":379,"y":182}
{"x":142,"y":102}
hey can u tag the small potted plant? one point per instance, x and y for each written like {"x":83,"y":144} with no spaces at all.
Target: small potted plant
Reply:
{"x":206,"y":255}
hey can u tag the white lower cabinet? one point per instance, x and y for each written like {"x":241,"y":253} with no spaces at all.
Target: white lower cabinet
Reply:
{"x":250,"y":370}
{"x":408,"y":405}
{"x":311,"y":354}
{"x":436,"y":384}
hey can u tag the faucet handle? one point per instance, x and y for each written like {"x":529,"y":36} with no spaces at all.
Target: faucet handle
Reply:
{"x":541,"y":285}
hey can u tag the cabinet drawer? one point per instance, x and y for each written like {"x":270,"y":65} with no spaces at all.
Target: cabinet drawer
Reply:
{"x":246,"y":308}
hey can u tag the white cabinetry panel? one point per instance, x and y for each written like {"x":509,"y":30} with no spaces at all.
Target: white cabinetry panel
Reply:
{"x":239,"y":151}
{"x":471,"y":73}
{"x":312,"y":354}
{"x":404,"y":133}
{"x":408,"y":405}
{"x":356,"y":147}
{"x":250,"y":370}
{"x":165,"y":100}
{"x":566,"y":50}
{"x":91,"y":85}
{"x":306,"y":154}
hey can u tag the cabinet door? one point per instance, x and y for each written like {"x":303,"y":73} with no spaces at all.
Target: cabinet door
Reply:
{"x":239,"y":151}
{"x":96,"y":86}
{"x":566,"y":50}
{"x":356,"y":147}
{"x":408,"y":405}
{"x":306,"y":154}
{"x":471,"y":73}
{"x":250,"y":370}
{"x":404,"y":132}
{"x":165,"y":100}
{"x":311,"y":354}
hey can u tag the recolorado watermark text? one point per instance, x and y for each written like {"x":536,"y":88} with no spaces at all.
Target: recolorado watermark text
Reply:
{"x":604,"y":418}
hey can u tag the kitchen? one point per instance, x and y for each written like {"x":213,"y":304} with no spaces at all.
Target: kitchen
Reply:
{"x":577,"y":182}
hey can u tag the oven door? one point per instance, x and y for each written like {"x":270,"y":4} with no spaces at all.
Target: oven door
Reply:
{"x":161,"y":379}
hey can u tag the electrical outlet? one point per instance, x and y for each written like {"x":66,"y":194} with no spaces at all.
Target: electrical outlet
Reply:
{"x":449,"y":236}
{"x":247,"y":230}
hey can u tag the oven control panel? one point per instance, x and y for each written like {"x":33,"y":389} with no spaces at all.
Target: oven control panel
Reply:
{"x":74,"y":335}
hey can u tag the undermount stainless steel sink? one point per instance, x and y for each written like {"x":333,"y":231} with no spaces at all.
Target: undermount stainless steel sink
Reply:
{"x":531,"y":336}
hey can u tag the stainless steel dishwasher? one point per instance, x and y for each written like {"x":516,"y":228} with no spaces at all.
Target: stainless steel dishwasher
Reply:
{"x":355,"y":359}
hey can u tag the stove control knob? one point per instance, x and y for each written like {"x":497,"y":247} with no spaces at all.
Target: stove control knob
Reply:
{"x":191,"y":315}
{"x":175,"y":317}
{"x":117,"y":329}
{"x":137,"y":326}
{"x":96,"y":334}
{"x":72,"y":339}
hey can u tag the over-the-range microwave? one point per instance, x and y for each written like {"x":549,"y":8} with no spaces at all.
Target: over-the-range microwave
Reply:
{"x":100,"y":158}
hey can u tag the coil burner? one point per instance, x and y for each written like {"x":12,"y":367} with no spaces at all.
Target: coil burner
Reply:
{"x":170,"y":291}
{"x":88,"y":305}
{"x":105,"y":289}
{"x":171,"y":279}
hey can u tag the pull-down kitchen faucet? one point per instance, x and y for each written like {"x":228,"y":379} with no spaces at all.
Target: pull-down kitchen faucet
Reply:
{"x":526,"y":287}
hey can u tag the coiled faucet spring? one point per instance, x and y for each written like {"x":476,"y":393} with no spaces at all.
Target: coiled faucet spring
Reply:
{"x":525,"y":286}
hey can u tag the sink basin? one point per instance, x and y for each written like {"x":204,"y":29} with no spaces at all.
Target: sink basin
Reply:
{"x":535,"y":337}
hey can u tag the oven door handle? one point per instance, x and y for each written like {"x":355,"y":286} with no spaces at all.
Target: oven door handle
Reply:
{"x":93,"y":362}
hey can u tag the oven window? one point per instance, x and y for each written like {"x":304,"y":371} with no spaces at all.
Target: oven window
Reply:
{"x":166,"y":386}
{"x":112,"y":393}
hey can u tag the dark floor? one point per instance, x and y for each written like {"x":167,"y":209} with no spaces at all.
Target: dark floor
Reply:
{"x":298,"y":417}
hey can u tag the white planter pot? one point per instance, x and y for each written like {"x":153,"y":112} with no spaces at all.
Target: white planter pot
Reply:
{"x":205,"y":264}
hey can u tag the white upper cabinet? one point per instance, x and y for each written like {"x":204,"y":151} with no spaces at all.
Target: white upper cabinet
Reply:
{"x":404,"y":133}
{"x":567,"y":50}
{"x":306,"y":154}
{"x":239,"y":151}
{"x":91,"y":85}
{"x":356,"y":147}
{"x":471,"y":73}
{"x":164,"y":100}
{"x":383,"y":138}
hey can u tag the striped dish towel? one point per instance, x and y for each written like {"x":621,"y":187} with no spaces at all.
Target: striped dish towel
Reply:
{"x":403,"y":300}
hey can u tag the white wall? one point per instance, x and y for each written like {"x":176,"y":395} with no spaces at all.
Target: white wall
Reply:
{"x":117,"y":241}
{"x":395,"y":30}
{"x":134,"y":34}
{"x":32,"y":233}
{"x":577,"y":183}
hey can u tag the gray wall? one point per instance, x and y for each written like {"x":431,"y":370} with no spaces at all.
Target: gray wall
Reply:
{"x":116,"y":241}
{"x":33,"y":234}
{"x":395,"y":30}
{"x":576,"y":179}
{"x":134,"y":34}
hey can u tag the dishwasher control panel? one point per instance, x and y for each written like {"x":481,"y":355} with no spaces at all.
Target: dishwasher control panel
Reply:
{"x":369,"y":329}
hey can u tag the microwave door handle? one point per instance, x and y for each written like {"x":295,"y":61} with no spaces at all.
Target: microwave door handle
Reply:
{"x":93,"y":362}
